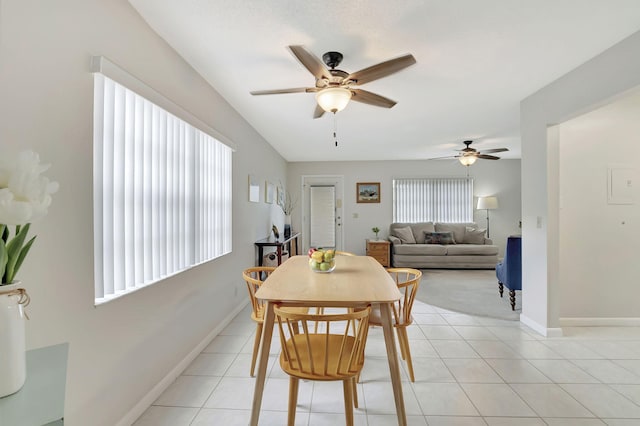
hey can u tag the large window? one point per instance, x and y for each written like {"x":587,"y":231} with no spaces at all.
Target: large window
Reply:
{"x":162,"y":192}
{"x":433,"y":199}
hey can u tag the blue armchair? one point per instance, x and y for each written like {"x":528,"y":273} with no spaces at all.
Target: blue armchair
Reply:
{"x":509,"y":271}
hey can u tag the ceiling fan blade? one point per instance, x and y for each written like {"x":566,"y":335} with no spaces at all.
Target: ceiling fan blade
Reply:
{"x":311,"y":62}
{"x":281,"y":91}
{"x":382,"y":69}
{"x":318,"y":112}
{"x":487,"y":157}
{"x":370,"y":98}
{"x":487,"y":151}
{"x":442,"y":158}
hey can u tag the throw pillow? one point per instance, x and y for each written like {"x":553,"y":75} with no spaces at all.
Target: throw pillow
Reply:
{"x":405,"y":235}
{"x":420,"y":228}
{"x":474,"y":236}
{"x":457,"y":229}
{"x":444,"y":238}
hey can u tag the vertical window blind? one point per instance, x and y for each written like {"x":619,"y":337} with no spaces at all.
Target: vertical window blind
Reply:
{"x":162,"y":192}
{"x":433,"y":199}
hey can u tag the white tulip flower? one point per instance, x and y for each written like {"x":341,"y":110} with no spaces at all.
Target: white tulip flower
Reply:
{"x":25,"y":196}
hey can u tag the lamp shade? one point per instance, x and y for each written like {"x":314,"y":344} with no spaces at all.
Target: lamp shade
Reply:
{"x":467,"y":160}
{"x":333,"y":99}
{"x":487,"y":203}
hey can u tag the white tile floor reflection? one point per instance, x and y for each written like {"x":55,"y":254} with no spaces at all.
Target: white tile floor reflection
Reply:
{"x":469,"y":371}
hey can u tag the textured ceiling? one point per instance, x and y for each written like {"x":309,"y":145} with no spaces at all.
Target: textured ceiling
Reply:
{"x":476,"y":60}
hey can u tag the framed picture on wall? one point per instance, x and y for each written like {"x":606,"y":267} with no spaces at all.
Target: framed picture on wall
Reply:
{"x":269,"y":192}
{"x":254,"y":189}
{"x":280,"y":198}
{"x":368,"y":192}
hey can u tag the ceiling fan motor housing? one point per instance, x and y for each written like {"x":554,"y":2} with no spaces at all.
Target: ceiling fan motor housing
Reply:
{"x":332,"y":59}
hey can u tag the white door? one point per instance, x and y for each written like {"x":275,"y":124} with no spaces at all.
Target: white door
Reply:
{"x":322,"y":212}
{"x":322,"y":216}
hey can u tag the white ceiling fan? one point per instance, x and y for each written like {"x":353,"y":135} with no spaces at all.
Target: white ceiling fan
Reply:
{"x":334,"y":88}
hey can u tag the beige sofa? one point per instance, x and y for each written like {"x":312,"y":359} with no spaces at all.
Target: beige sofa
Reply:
{"x":441,"y":246}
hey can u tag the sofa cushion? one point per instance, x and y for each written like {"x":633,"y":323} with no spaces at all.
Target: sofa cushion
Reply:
{"x":458,"y":229}
{"x":420,"y":250}
{"x":420,"y":228}
{"x":444,"y":238}
{"x":405,"y":234}
{"x":474,"y":235}
{"x":472,"y":249}
{"x":394,"y":240}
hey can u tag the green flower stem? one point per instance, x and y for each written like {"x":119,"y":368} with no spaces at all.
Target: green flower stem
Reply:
{"x":13,"y":251}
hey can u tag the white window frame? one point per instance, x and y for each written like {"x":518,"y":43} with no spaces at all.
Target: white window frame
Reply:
{"x":440,"y":199}
{"x":162,"y":187}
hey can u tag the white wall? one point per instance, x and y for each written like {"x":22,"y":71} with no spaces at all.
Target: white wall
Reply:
{"x":500,"y":178}
{"x":120,"y":350}
{"x":593,"y":84}
{"x":599,"y":244}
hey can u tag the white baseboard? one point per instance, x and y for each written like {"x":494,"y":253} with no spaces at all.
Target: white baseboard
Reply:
{"x":539,"y":328}
{"x":600,"y":322}
{"x":167,"y":380}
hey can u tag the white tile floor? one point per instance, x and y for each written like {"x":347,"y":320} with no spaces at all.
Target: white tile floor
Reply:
{"x":469,"y":371}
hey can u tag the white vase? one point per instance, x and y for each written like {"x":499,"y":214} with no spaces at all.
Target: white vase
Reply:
{"x":13,"y":366}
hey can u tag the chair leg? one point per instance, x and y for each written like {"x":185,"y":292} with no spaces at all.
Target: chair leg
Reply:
{"x":500,"y":288}
{"x":348,"y":403}
{"x":405,"y":338}
{"x":256,"y":346}
{"x":401,"y":343}
{"x":293,"y":400}
{"x":354,"y":387}
{"x":512,"y":298}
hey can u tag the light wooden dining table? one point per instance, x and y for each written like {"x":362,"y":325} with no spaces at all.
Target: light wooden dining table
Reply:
{"x":356,"y":281}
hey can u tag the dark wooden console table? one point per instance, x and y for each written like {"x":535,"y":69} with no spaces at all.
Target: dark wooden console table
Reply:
{"x":290,"y":243}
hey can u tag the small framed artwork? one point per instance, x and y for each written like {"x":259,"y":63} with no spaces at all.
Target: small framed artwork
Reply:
{"x":254,"y":189}
{"x":280,"y":198}
{"x":368,"y":192}
{"x":269,"y":192}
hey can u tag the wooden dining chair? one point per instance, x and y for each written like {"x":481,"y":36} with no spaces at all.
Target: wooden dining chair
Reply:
{"x":254,"y":278}
{"x":331,"y":354}
{"x":408,"y":281}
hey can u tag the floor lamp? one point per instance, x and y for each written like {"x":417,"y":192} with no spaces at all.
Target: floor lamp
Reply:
{"x":487,"y":203}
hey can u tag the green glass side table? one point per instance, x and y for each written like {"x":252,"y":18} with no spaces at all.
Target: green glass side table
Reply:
{"x":41,"y":399}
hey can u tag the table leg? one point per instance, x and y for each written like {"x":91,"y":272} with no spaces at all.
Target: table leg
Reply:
{"x":260,"y":254}
{"x":279,"y":250}
{"x":267,"y":333}
{"x":394,"y":366}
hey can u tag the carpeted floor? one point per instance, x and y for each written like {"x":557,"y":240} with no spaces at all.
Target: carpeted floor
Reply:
{"x":467,"y":291}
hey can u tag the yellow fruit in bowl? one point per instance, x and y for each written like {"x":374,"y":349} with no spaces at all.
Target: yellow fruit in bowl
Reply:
{"x":322,"y":260}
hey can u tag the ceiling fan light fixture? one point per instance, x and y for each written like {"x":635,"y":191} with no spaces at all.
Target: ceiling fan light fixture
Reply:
{"x":333,"y":99}
{"x":467,"y":160}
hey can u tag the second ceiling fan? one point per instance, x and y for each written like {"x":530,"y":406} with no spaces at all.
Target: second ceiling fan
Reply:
{"x":467,"y":156}
{"x":334,"y":88}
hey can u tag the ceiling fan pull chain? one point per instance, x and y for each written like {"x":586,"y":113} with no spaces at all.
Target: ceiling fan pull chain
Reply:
{"x":335,"y":128}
